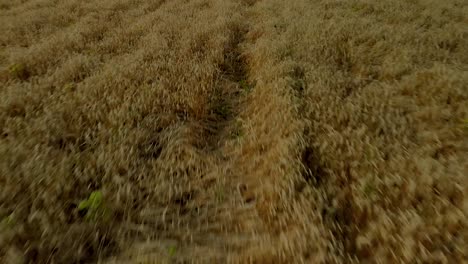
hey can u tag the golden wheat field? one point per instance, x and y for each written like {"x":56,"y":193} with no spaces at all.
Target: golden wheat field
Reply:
{"x":233,"y":131}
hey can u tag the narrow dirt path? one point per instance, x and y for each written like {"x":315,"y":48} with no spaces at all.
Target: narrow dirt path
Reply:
{"x":226,"y":101}
{"x":221,"y":219}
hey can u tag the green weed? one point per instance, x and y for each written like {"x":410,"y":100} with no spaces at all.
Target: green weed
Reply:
{"x":94,"y":207}
{"x":172,"y":251}
{"x":220,"y":195}
{"x":7,"y":222}
{"x":369,"y":189}
{"x":237,"y":131}
{"x":223,"y":110}
{"x":69,"y":87}
{"x":245,"y":86}
{"x":18,"y":71}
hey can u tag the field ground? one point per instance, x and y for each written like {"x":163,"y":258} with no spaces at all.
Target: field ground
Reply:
{"x":240,"y":131}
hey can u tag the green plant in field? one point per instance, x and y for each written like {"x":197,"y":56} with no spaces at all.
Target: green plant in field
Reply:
{"x":172,"y":251}
{"x":223,"y":110}
{"x":18,"y":70}
{"x":237,"y":131}
{"x":69,"y":87}
{"x":7,"y":222}
{"x":220,"y":196}
{"x":93,"y":206}
{"x":244,"y":85}
{"x":369,"y":189}
{"x":463,"y":125}
{"x":357,"y":6}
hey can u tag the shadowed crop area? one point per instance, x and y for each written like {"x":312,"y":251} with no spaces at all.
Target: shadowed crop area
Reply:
{"x":233,"y":131}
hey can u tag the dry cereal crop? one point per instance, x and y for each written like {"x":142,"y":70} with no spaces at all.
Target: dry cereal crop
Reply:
{"x":233,"y":131}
